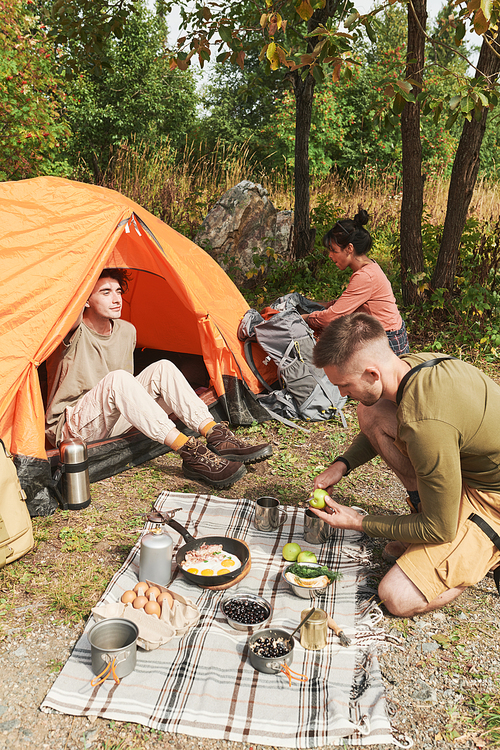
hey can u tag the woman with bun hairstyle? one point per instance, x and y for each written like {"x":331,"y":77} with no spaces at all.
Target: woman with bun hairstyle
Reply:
{"x":369,"y":290}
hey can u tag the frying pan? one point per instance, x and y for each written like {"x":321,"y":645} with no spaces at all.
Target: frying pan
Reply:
{"x":233,"y":546}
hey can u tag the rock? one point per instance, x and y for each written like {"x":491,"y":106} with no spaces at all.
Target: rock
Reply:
{"x":424,"y":693}
{"x":244,"y":223}
{"x":439,"y":616}
{"x":7,"y":726}
{"x":429,"y":646}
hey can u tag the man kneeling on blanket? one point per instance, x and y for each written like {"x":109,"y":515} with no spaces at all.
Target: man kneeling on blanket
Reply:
{"x":94,"y":395}
{"x":438,"y":430}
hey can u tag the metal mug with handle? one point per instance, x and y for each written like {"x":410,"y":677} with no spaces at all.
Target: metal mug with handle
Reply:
{"x":316,"y":531}
{"x":269,"y":514}
{"x":113,"y":649}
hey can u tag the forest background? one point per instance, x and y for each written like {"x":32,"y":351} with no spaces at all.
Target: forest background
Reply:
{"x":93,"y":91}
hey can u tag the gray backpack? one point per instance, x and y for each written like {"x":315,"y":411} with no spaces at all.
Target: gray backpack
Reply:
{"x":305,"y":392}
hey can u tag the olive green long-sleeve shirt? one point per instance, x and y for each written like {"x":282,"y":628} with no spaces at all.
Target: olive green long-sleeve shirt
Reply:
{"x":449,"y":426}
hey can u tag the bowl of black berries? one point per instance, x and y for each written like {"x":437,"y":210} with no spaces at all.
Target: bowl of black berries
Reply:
{"x":270,"y":649}
{"x":246,"y":611}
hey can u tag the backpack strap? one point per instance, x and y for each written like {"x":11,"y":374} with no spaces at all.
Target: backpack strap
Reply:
{"x":495,"y":538}
{"x":284,"y":420}
{"x":428,"y":363}
{"x":247,"y":348}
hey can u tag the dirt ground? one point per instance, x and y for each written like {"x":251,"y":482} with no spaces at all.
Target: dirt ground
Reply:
{"x":441,"y":681}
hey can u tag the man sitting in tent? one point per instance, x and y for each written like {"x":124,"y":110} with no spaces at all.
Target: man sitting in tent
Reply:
{"x":94,"y":395}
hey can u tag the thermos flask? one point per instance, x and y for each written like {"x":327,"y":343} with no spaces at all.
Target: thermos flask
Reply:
{"x":75,"y":474}
{"x":155,"y":558}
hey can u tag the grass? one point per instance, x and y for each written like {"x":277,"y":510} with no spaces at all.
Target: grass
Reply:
{"x":486,"y":717}
{"x":181,"y":188}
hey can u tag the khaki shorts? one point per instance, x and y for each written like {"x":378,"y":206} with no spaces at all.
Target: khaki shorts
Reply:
{"x":436,"y":568}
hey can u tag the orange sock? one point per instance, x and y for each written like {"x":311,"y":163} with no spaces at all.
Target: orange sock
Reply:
{"x":206,"y":429}
{"x":179,"y":442}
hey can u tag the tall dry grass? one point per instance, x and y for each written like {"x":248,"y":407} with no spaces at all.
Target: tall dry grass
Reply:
{"x":180,"y":187}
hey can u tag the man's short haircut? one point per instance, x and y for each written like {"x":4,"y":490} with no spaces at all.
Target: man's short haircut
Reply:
{"x":345,"y":336}
{"x":120,"y":275}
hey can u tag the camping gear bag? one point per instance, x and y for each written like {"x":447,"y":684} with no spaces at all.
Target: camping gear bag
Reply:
{"x":16,"y":533}
{"x":306,"y":392}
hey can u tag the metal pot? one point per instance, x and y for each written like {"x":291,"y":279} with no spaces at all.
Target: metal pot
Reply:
{"x":233,"y":546}
{"x":267,"y":664}
{"x":114,"y":639}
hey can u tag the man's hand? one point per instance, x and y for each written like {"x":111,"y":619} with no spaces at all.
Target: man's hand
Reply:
{"x":330,"y":476}
{"x":305,"y":317}
{"x":339,"y":516}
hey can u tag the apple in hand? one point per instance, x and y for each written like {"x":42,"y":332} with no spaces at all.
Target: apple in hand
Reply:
{"x":307,"y":557}
{"x":317,"y":499}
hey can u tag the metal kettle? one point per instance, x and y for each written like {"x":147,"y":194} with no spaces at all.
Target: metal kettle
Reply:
{"x":75,"y":473}
{"x":155,"y":559}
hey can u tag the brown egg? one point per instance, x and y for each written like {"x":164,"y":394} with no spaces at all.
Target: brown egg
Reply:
{"x":139,"y":602}
{"x":153,"y":590}
{"x":165,"y":596}
{"x":141,"y":585}
{"x":128,"y":597}
{"x":152,"y":608}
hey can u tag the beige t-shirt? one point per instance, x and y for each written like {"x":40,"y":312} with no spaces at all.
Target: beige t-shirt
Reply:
{"x":75,"y":368}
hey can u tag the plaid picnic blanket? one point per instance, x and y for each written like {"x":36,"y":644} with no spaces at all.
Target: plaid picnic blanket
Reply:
{"x":202,"y":684}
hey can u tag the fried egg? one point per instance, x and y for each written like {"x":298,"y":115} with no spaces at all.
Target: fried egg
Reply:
{"x":218,"y":564}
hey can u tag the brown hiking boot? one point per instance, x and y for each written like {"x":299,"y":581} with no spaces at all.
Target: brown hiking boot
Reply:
{"x":221,"y":440}
{"x":200,"y":463}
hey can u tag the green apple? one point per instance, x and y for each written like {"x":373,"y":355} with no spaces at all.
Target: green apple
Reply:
{"x":291,"y":551}
{"x":307,"y":557}
{"x":317,"y":499}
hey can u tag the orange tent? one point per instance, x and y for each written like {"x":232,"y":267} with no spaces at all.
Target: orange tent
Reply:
{"x":55,"y":237}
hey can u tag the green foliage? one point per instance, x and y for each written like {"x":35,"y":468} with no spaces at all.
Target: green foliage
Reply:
{"x":467,"y":317}
{"x":30,"y":95}
{"x":81,"y":29}
{"x":277,"y":137}
{"x":138,"y":97}
{"x":345,"y":108}
{"x":238,"y":104}
{"x":486,"y":716}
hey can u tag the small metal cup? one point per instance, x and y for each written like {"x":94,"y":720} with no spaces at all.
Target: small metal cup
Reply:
{"x":269,"y":515}
{"x":314,"y":632}
{"x":316,"y":531}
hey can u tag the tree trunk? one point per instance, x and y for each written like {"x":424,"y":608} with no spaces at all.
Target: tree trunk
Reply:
{"x":463,"y":179}
{"x":412,"y":204}
{"x":303,"y":235}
